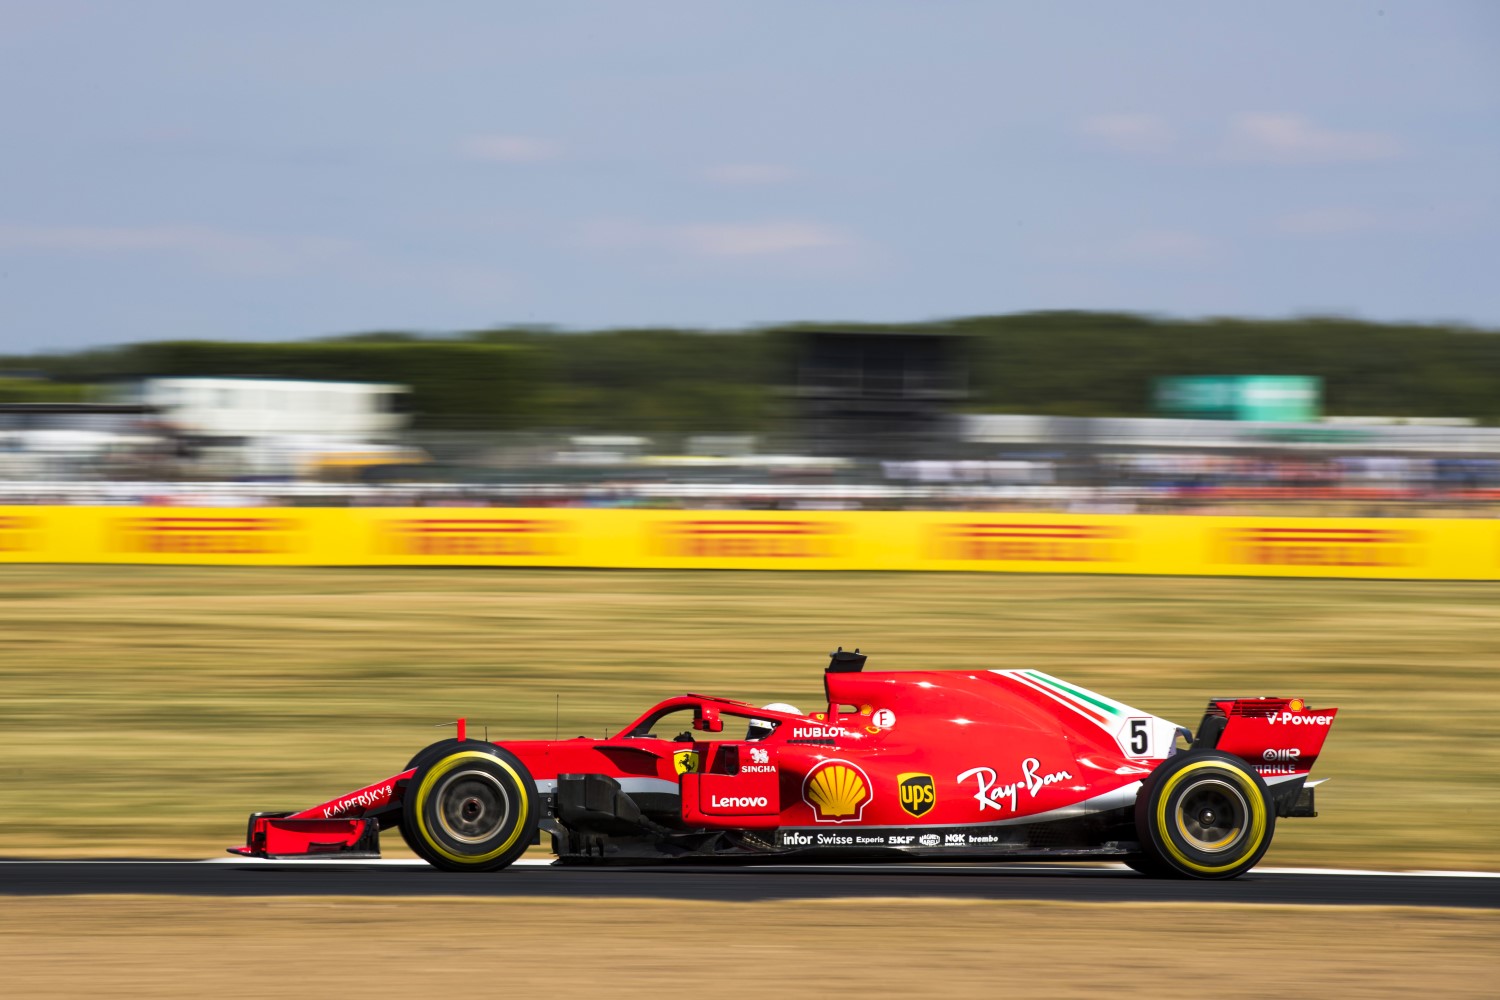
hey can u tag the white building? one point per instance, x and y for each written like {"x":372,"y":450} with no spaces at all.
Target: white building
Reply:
{"x":282,"y":426}
{"x":241,"y":408}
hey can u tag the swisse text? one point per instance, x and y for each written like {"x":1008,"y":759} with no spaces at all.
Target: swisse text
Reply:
{"x":1300,"y":719}
{"x":738,"y":802}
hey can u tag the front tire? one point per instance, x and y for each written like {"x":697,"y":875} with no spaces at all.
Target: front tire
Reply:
{"x":429,"y":753}
{"x":1204,"y":814}
{"x":473,"y":808}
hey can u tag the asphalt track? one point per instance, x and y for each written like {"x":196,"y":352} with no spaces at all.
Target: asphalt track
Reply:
{"x":743,"y":883}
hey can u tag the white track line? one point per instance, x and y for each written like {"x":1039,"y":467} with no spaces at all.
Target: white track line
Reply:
{"x":1032,"y":868}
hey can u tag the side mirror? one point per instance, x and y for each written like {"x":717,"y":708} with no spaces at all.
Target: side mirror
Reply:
{"x":707,"y":720}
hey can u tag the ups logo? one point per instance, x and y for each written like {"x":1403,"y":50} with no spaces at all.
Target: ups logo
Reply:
{"x":918,"y":792}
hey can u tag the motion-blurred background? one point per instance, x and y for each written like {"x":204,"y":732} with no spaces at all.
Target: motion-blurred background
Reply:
{"x":1081,"y":412}
{"x":790,"y":256}
{"x":844,"y":273}
{"x":1174,"y":326}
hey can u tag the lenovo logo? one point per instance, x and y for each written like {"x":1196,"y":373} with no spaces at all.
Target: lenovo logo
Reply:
{"x":738,"y":802}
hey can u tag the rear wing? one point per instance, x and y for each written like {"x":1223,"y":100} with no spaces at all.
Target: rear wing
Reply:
{"x":1280,"y":737}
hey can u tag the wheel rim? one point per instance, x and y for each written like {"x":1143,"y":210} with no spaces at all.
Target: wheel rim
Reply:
{"x":472,"y":806}
{"x":1212,"y":815}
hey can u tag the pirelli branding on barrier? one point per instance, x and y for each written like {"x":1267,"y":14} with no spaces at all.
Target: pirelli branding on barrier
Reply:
{"x":468,"y":537}
{"x":1331,"y":546}
{"x":189,"y":534}
{"x":709,"y":539}
{"x":1050,"y":542}
{"x":1395,"y":548}
{"x":20,"y":533}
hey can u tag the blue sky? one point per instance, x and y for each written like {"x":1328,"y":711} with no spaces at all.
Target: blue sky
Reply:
{"x":282,"y":170}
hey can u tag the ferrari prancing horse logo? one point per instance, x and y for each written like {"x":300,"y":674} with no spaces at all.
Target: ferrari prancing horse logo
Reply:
{"x":918,"y":792}
{"x":685,"y":761}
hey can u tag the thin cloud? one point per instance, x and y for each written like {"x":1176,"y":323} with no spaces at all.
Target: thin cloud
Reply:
{"x":216,"y":247}
{"x":1276,"y":138}
{"x":1145,"y":248}
{"x":1130,"y":133}
{"x":510,"y":148}
{"x":1164,"y":245}
{"x":759,"y":239}
{"x":1409,"y":220}
{"x":1332,"y":221}
{"x":744,"y":239}
{"x":115,"y":239}
{"x":750,"y":174}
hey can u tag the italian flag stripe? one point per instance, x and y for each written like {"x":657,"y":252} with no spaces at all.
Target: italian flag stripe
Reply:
{"x":1053,"y":682}
{"x":1047,"y":691}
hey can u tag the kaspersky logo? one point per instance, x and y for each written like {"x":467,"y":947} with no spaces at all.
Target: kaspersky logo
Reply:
{"x":838,"y":791}
{"x":918,"y":792}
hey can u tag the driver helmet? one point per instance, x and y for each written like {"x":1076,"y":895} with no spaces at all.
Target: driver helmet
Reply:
{"x":761,"y":728}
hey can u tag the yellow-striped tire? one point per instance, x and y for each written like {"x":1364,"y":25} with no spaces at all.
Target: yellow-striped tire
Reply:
{"x":430,"y":752}
{"x":1203,"y":814}
{"x":473,"y":808}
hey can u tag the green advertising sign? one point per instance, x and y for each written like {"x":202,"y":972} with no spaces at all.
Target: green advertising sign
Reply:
{"x":1278,"y":398}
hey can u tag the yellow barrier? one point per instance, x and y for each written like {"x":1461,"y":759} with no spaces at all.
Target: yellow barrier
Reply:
{"x":867,"y":540}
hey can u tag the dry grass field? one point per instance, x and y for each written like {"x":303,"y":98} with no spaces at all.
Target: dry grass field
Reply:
{"x":174,"y":947}
{"x":145,"y":711}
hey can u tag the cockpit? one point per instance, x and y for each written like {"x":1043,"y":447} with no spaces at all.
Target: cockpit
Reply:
{"x":692,"y":720}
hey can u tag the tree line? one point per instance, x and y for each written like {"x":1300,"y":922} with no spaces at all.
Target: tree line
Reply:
{"x":653,"y":380}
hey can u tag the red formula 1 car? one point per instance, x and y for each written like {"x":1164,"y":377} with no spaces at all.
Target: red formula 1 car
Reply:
{"x":997,"y":764}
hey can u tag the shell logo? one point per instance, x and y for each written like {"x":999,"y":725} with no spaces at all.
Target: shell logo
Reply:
{"x":1296,"y":705}
{"x":838,"y":792}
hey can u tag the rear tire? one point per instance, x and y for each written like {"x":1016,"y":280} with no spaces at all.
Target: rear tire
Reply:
{"x":1203,"y":814}
{"x":473,"y":807}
